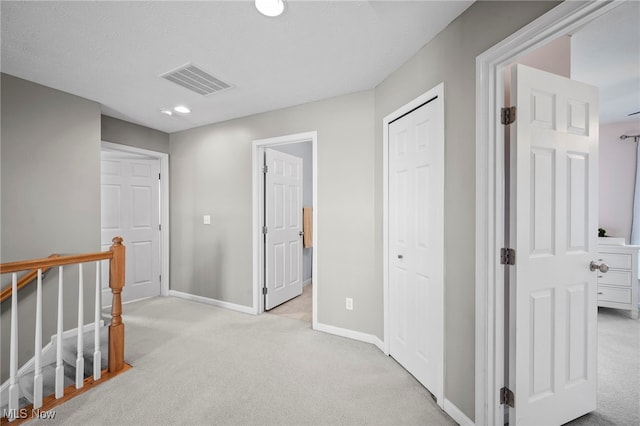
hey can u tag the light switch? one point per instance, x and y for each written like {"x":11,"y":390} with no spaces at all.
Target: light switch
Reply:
{"x":207,"y":219}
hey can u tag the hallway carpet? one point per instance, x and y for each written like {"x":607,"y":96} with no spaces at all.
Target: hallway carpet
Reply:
{"x":198,"y":364}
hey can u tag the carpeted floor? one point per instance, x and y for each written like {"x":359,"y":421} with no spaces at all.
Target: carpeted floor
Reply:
{"x":299,"y":308}
{"x":618,"y":371}
{"x":198,"y":364}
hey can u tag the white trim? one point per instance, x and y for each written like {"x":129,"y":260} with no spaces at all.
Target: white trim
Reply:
{"x":213,"y":302}
{"x":439,"y":92}
{"x":456,"y":414}
{"x":489,"y":359}
{"x":258,"y":202}
{"x":307,"y":282}
{"x":164,"y":204}
{"x":351,"y":334}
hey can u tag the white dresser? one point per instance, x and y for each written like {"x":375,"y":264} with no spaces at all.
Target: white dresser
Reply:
{"x":618,"y":288}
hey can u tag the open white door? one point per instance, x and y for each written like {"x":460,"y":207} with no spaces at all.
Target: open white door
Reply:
{"x":416,"y":243}
{"x":283,"y":221}
{"x":130,"y":194}
{"x":553,"y":309}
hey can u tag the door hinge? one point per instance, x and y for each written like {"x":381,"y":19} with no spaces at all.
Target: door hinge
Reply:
{"x":159,"y":176}
{"x":160,"y":227}
{"x":507,"y":397}
{"x":507,"y":115}
{"x":507,"y":256}
{"x":160,"y":278}
{"x":265,"y":230}
{"x":264,"y":290}
{"x":265,"y":169}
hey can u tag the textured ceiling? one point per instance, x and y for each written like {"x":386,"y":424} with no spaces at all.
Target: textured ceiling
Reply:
{"x":113,"y":52}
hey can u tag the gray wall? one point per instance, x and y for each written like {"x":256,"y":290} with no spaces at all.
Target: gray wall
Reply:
{"x":303,"y":150}
{"x":211,"y":174}
{"x":50,"y":181}
{"x":450,"y":58}
{"x":125,"y":133}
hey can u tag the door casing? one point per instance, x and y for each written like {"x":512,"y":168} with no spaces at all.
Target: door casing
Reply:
{"x":258,"y":217}
{"x":164,"y":204}
{"x":417,"y":102}
{"x":490,"y":180}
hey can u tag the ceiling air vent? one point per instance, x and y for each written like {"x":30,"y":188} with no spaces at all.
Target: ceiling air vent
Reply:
{"x":196,"y":80}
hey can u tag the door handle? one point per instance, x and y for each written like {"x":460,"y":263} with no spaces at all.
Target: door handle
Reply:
{"x":301,"y":233}
{"x":400,"y":256}
{"x":603,"y":267}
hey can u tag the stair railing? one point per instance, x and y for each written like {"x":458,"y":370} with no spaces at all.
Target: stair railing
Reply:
{"x":26,"y":279}
{"x":116,"y":258}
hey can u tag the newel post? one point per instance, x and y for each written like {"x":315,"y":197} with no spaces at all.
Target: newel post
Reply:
{"x":116,"y":329}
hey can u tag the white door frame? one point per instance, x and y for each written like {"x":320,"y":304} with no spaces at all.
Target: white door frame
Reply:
{"x":258,"y":216}
{"x":490,"y":220}
{"x":164,"y":204}
{"x":417,"y":102}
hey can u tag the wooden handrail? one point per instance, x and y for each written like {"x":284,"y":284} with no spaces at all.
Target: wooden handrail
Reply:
{"x":26,"y":279}
{"x":116,"y":255}
{"x":48,"y":262}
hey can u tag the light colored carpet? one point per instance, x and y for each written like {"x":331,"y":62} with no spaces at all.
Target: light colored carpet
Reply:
{"x":198,"y":364}
{"x":618,"y":371}
{"x":299,"y":308}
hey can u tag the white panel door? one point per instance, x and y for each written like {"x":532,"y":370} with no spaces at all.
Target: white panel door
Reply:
{"x":283,"y":219}
{"x":416,"y":205}
{"x":554,"y":232}
{"x":130,"y":194}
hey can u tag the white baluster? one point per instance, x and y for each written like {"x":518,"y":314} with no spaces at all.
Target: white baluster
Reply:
{"x":59,"y":366}
{"x":80,"y":358}
{"x":97,"y":368}
{"x":13,"y":362}
{"x":37,"y":371}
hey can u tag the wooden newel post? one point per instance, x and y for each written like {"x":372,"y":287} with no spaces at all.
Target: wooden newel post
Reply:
{"x":116,"y":329}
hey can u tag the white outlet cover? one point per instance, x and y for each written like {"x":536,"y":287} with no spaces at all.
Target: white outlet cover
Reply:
{"x":349,"y":304}
{"x":206,"y":219}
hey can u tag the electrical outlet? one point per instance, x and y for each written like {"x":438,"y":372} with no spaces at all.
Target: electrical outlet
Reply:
{"x":349,"y":304}
{"x":206,"y":219}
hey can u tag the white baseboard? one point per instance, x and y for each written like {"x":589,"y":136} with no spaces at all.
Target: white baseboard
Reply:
{"x":306,"y":282}
{"x":456,"y":414}
{"x":351,"y":334}
{"x":214,"y":302}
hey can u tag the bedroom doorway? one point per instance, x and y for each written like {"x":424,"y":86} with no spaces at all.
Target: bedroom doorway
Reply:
{"x":491,"y":361}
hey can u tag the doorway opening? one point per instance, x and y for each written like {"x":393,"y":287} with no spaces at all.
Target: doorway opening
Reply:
{"x":300,"y":149}
{"x":135,"y":206}
{"x":491,"y":354}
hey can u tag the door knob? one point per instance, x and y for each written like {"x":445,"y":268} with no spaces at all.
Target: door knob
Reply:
{"x":400,"y":256}
{"x":603,"y":267}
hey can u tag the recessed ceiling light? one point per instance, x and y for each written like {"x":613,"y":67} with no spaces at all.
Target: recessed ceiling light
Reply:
{"x":182,"y":109}
{"x":271,"y":8}
{"x":166,"y":111}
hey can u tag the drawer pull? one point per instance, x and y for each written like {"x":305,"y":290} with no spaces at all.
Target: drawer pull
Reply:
{"x":600,"y":292}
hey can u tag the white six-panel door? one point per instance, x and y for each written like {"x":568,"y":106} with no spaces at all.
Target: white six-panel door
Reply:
{"x":554,"y":231}
{"x":130,"y":195}
{"x":416,"y":235}
{"x":283,"y":219}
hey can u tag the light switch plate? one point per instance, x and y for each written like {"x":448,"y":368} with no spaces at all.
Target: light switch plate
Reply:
{"x":206,"y":219}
